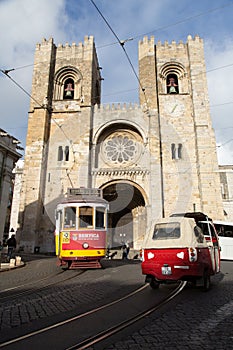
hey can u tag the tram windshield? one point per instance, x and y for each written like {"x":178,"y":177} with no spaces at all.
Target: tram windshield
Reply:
{"x":69,"y":217}
{"x":100,"y":211}
{"x":85,"y":217}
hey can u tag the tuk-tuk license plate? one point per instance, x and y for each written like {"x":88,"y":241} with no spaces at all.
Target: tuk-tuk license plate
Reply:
{"x":166,"y":270}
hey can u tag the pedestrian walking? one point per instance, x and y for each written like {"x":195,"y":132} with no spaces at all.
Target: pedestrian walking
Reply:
{"x":124,"y":252}
{"x":127,"y":249}
{"x":11,"y":243}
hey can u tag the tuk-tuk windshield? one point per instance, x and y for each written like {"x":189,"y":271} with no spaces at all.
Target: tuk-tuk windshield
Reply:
{"x":169,"y":230}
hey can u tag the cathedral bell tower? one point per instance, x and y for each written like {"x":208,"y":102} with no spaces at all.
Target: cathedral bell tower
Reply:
{"x":65,"y":86}
{"x":174,"y":80}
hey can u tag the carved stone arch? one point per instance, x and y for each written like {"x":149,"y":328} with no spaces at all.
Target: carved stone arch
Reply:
{"x":118,"y":145}
{"x":127,"y":217}
{"x":173,"y":70}
{"x":115,"y":123}
{"x":68,"y":73}
{"x":143,"y":201}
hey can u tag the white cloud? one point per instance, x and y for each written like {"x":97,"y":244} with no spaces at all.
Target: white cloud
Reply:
{"x":26,"y":22}
{"x":219,"y":72}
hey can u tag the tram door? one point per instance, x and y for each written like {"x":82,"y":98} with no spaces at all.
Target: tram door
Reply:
{"x":58,"y":216}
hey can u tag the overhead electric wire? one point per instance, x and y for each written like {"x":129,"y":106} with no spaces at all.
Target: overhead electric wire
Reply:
{"x":17,"y":84}
{"x":150,"y":32}
{"x":32,"y":98}
{"x":122,"y":42}
{"x":184,"y":20}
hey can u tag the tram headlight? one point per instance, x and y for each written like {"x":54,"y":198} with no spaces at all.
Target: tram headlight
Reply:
{"x":85,"y":245}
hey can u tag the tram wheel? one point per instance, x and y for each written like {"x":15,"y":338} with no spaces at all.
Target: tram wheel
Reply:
{"x":154,"y":284}
{"x":206,"y":281}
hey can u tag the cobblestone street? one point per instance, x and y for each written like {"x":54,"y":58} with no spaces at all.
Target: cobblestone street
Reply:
{"x":193,"y":320}
{"x":197,"y":321}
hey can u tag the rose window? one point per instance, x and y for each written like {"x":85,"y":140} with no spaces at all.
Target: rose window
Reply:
{"x":121,"y":148}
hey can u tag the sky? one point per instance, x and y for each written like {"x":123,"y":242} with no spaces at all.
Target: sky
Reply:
{"x":24,"y":23}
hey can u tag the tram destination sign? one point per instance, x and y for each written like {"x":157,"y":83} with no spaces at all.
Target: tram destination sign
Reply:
{"x":82,"y":191}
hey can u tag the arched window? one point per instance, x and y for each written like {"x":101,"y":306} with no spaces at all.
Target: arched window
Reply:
{"x":68,"y":84}
{"x":63,"y":153}
{"x":68,"y":89}
{"x":176,"y":151}
{"x":60,"y":154}
{"x":173,"y":78}
{"x":67,"y":151}
{"x":179,"y":151}
{"x":172,"y":84}
{"x":173,"y":149}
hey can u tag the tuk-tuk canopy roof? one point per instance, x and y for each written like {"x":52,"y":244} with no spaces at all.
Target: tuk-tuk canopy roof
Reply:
{"x":174,"y":232}
{"x":197,"y":216}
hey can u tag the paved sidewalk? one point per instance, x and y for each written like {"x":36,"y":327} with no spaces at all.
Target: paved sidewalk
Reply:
{"x":24,"y":258}
{"x":4,"y":266}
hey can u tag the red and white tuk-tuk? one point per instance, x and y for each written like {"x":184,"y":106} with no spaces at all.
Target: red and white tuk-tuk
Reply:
{"x":175,"y":248}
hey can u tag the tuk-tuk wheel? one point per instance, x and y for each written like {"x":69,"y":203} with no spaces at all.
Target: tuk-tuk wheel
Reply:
{"x":154,"y":284}
{"x":206,"y":281}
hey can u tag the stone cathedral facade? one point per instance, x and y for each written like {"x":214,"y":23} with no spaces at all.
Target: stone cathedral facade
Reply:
{"x":150,"y":160}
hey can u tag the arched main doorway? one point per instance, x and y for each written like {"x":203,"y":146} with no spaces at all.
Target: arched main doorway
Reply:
{"x":127,"y":214}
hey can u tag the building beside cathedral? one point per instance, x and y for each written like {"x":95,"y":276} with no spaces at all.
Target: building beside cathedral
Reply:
{"x":9,"y":155}
{"x":150,"y":160}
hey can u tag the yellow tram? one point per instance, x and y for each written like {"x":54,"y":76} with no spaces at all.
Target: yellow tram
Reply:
{"x":81,"y":228}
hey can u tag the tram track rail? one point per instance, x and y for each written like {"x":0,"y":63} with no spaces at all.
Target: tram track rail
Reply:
{"x":121,"y":326}
{"x":5,"y":294}
{"x":28,"y":283}
{"x":87,"y":318}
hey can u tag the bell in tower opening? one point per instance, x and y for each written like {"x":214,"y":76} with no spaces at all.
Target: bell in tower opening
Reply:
{"x":172,"y":86}
{"x":69,"y":89}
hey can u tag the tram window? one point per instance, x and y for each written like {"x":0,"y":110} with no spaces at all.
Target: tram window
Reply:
{"x":85,"y":217}
{"x":70,"y":217}
{"x":99,"y":217}
{"x":167,"y":231}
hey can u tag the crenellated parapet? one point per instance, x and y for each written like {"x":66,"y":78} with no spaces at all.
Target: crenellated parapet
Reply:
{"x":146,"y":46}
{"x":44,"y":43}
{"x":117,"y":106}
{"x":84,"y":50}
{"x":88,"y":42}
